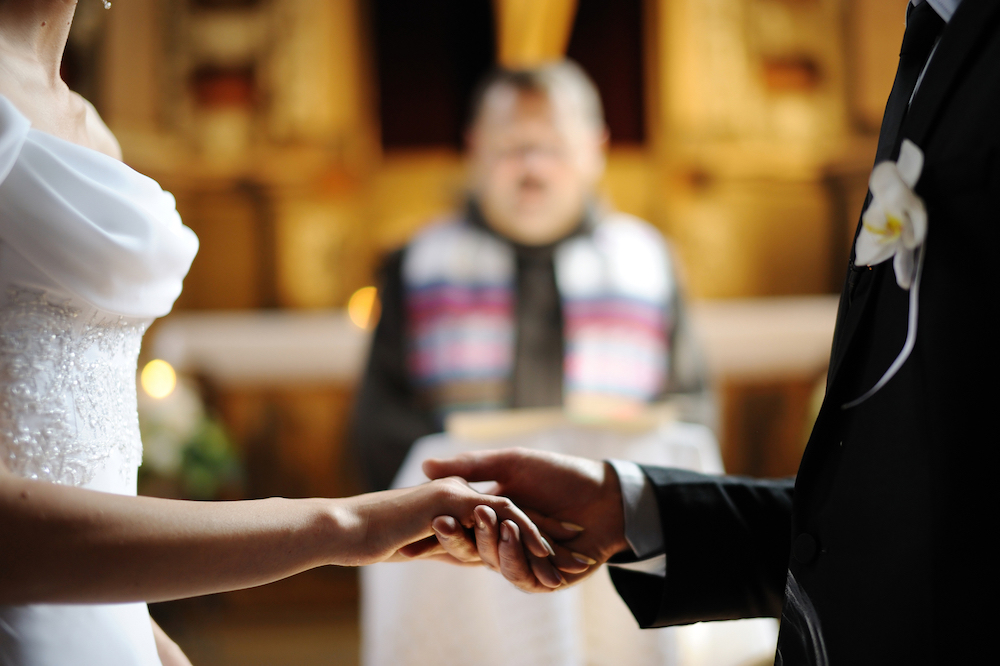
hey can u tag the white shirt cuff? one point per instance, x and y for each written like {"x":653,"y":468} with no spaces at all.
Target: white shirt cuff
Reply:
{"x":643,"y":529}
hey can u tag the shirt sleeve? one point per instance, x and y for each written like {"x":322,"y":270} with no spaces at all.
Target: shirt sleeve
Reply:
{"x":643,"y":528}
{"x":727,"y":540}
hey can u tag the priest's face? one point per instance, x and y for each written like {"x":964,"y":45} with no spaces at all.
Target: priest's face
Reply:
{"x":535,"y":161}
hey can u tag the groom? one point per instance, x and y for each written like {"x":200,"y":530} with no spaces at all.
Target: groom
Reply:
{"x":878,"y":552}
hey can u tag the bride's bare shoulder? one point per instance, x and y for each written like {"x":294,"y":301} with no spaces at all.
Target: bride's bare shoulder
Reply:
{"x":67,"y":116}
{"x":98,"y":134}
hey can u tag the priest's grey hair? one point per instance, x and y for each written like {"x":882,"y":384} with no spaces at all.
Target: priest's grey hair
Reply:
{"x":562,"y":77}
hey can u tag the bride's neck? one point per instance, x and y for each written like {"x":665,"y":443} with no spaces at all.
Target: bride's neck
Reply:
{"x":33,"y":35}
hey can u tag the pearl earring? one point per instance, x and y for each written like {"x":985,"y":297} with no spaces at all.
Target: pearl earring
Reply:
{"x":107,"y":4}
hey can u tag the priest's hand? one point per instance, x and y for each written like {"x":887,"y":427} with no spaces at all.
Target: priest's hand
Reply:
{"x":575,"y":501}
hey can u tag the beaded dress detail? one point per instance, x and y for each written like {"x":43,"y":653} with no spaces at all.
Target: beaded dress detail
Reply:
{"x":67,"y":389}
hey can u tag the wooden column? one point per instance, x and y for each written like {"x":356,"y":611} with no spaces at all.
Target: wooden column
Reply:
{"x":131,"y":82}
{"x":530,"y":32}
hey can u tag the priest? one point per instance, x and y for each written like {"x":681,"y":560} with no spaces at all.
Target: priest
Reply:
{"x":534,"y":293}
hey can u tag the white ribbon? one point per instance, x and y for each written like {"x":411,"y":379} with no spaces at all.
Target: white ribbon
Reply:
{"x":895,"y":225}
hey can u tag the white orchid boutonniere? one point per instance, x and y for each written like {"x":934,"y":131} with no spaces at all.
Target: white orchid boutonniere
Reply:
{"x":895,"y":226}
{"x":895,"y":223}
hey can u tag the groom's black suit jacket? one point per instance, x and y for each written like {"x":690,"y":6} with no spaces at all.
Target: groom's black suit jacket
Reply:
{"x":879,"y":553}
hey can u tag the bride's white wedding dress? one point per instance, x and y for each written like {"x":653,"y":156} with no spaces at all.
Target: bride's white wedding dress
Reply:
{"x":90,"y":253}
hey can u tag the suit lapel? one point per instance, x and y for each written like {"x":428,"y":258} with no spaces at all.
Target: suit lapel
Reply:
{"x":960,"y":42}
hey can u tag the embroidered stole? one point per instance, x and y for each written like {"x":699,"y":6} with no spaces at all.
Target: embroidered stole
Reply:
{"x":616,"y":285}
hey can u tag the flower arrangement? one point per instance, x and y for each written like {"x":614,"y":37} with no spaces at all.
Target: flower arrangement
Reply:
{"x":186,"y":451}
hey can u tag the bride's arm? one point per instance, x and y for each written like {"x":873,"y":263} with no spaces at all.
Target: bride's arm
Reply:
{"x":64,"y":544}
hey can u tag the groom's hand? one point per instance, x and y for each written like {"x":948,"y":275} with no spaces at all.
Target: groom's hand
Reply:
{"x":576,"y":501}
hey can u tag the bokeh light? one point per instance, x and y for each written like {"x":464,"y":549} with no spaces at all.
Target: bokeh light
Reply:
{"x":158,"y":379}
{"x":364,"y":308}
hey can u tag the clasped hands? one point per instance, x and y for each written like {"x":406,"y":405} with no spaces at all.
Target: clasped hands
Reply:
{"x":575,"y":503}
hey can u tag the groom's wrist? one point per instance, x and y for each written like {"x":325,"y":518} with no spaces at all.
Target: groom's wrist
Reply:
{"x":643,"y":531}
{"x":613,"y":525}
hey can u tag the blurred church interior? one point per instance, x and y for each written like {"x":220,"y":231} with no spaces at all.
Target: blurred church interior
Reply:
{"x":305,"y":139}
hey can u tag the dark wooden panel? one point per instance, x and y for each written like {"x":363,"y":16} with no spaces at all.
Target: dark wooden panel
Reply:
{"x":766,"y":425}
{"x":234,"y":267}
{"x":607,"y":41}
{"x":429,"y":55}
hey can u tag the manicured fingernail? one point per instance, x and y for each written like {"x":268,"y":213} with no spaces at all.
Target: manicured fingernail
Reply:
{"x":548,"y":547}
{"x":572,"y":527}
{"x":504,"y":532}
{"x":558,"y":579}
{"x":583,"y":559}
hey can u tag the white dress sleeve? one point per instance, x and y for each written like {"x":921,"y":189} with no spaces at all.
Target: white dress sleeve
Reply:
{"x":13,"y":131}
{"x":93,"y":225}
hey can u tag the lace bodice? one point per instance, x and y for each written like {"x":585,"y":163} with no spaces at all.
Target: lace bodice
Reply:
{"x":90,"y":253}
{"x":67,"y":389}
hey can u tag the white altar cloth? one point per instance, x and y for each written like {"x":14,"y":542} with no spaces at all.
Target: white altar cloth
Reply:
{"x":432,"y":614}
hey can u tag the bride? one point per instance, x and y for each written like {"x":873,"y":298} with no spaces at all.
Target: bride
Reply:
{"x":90,"y":253}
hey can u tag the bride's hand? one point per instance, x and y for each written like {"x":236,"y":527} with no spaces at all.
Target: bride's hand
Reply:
{"x":459,"y":545}
{"x":393,"y":524}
